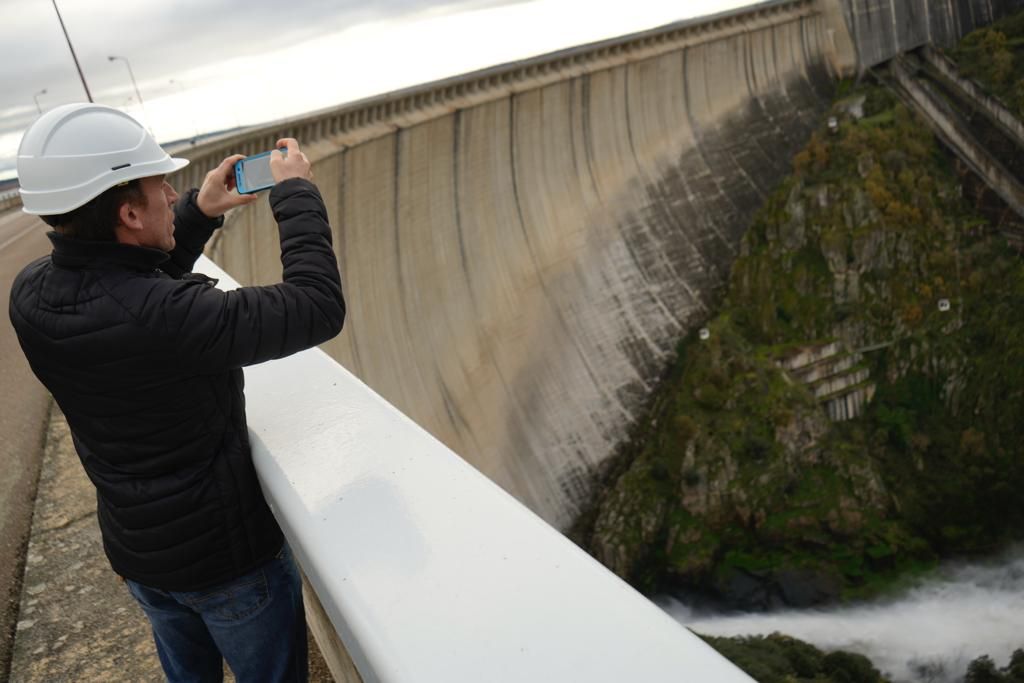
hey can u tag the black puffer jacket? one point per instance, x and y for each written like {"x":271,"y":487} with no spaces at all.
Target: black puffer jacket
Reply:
{"x":144,"y":359}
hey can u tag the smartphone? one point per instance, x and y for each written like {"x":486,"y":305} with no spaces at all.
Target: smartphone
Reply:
{"x":252,"y":174}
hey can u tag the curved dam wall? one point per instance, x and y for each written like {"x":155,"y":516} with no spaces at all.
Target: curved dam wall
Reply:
{"x":522,"y":248}
{"x":882,"y":29}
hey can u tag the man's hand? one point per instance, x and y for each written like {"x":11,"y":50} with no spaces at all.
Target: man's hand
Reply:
{"x":294,"y":165}
{"x":217,"y":194}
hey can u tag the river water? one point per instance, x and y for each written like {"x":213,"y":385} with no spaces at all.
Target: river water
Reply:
{"x":929,"y":634}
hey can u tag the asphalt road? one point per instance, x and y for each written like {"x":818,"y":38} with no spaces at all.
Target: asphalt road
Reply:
{"x":24,"y":405}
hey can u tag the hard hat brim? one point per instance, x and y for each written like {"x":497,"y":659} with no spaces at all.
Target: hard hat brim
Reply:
{"x":179,"y":164}
{"x":164,"y":166}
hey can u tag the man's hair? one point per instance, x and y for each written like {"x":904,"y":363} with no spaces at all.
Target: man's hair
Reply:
{"x":96,"y":219}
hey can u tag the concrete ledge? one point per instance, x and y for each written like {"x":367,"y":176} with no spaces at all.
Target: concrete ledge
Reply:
{"x":426,"y":570}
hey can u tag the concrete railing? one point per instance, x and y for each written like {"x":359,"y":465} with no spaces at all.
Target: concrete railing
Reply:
{"x":421,"y":568}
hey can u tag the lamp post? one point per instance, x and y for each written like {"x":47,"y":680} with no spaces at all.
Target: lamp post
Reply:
{"x":135,"y":85}
{"x":73,"y":55}
{"x":36,"y":98}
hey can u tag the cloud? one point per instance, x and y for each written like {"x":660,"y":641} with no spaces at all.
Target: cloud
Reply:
{"x":170,"y":40}
{"x":165,"y":40}
{"x":232,"y":67}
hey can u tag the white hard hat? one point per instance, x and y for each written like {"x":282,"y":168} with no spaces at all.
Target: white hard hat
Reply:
{"x":74,"y":152}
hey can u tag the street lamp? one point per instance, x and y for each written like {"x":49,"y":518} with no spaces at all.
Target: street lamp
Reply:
{"x":73,"y":55}
{"x":135,"y":85}
{"x":36,"y":98}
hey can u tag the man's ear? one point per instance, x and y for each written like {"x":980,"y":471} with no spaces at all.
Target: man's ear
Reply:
{"x":128,"y":217}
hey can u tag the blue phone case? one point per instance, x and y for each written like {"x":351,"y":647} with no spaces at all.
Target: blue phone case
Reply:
{"x":242,"y":182}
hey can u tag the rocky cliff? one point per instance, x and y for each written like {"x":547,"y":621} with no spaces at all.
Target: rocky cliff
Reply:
{"x":867,"y":282}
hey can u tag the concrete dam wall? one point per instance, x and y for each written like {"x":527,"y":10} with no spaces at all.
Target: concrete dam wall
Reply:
{"x":882,"y":29}
{"x":522,"y":247}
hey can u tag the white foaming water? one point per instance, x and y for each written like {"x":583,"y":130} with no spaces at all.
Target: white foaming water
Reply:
{"x":928,"y":635}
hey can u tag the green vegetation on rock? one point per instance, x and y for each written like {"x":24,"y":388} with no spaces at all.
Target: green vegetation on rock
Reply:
{"x":781,"y":659}
{"x":741,"y":486}
{"x":778,"y":658}
{"x":994,"y":56}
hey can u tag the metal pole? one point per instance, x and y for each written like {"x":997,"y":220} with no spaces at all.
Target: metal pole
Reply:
{"x":36,"y":98}
{"x":135,"y":85}
{"x":73,"y":55}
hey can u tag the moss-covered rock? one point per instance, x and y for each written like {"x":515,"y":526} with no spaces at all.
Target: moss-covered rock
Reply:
{"x":994,"y":56}
{"x":742,"y":487}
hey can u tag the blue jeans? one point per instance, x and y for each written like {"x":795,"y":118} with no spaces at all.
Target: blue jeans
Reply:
{"x":255,"y":622}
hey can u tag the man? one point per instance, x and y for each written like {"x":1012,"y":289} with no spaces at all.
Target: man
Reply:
{"x":144,"y":358}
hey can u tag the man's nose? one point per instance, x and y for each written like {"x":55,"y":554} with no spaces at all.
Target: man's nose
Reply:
{"x":172,"y":196}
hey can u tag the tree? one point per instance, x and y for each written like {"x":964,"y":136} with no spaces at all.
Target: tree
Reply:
{"x":983,"y":670}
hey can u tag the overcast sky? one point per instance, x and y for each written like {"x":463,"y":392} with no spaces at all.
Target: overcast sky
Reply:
{"x":205,"y":65}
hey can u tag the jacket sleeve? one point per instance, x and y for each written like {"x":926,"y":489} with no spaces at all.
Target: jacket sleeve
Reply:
{"x":213,"y":331}
{"x":192,"y":230}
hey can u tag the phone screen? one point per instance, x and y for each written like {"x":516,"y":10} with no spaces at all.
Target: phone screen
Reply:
{"x":255,"y":173}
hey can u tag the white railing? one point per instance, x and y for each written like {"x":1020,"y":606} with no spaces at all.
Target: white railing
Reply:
{"x":426,"y":570}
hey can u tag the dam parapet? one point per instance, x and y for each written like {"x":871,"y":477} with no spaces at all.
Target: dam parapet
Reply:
{"x":357,"y":122}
